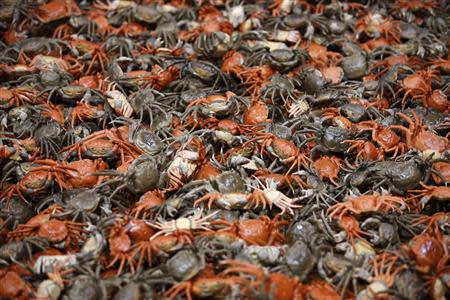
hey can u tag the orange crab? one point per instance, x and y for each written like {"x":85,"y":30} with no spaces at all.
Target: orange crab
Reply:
{"x":419,"y":138}
{"x":367,"y":203}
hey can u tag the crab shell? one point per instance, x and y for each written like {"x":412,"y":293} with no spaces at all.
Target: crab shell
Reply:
{"x":119,"y":103}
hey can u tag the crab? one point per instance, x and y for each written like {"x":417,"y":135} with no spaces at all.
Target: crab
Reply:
{"x":365,"y":150}
{"x":56,"y":10}
{"x":233,"y":63}
{"x":147,"y":201}
{"x":279,"y":285}
{"x":428,"y":252}
{"x":318,"y":192}
{"x":351,"y":226}
{"x":367,"y":203}
{"x":201,"y":70}
{"x":440,"y":193}
{"x":376,"y":26}
{"x":103,"y":144}
{"x":263,"y":231}
{"x":121,"y":249}
{"x":298,"y":107}
{"x":13,"y":286}
{"x":39,"y":45}
{"x":419,"y":138}
{"x":419,"y":86}
{"x":253,"y":77}
{"x":145,"y":103}
{"x":328,"y":168}
{"x":118,"y":101}
{"x":268,"y":194}
{"x":54,"y":230}
{"x":283,"y":149}
{"x":185,"y":164}
{"x":435,"y":223}
{"x":280,"y":87}
{"x":325,"y":139}
{"x":213,"y":44}
{"x":441,"y":172}
{"x":306,"y":21}
{"x":321,"y":57}
{"x":84,"y":111}
{"x":93,"y":52}
{"x":136,"y":175}
{"x":130,"y":240}
{"x":384,"y":270}
{"x":203,"y":285}
{"x":19,"y":96}
{"x":280,"y":59}
{"x":83,"y":176}
{"x":38,"y":178}
{"x":414,"y":5}
{"x":226,"y":201}
{"x":216,"y":105}
{"x":384,"y":137}
{"x":183,"y":225}
{"x":256,"y":114}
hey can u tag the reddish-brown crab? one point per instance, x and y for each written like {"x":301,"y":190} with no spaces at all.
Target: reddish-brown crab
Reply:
{"x":275,"y":284}
{"x":417,"y":137}
{"x":367,"y":203}
{"x":328,"y":168}
{"x":418,"y":86}
{"x":56,"y":10}
{"x":442,"y":170}
{"x":280,"y":286}
{"x":254,"y":77}
{"x":83,"y":112}
{"x":256,"y":114}
{"x":282,"y":149}
{"x":39,"y":178}
{"x":233,"y":63}
{"x":205,"y":284}
{"x":414,"y":5}
{"x":434,"y":223}
{"x":262,"y":231}
{"x":385,"y":137}
{"x":103,"y":144}
{"x":440,"y":193}
{"x":121,"y":249}
{"x":351,"y":227}
{"x":428,"y":252}
{"x":130,"y":240}
{"x":82,"y":177}
{"x":320,"y":56}
{"x":281,"y":180}
{"x":365,"y":150}
{"x":54,"y":230}
{"x":147,"y":201}
{"x":20,"y":96}
{"x":13,"y":286}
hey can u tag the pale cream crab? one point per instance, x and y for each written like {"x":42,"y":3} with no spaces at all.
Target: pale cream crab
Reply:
{"x":183,"y":225}
{"x":118,"y":101}
{"x":267,"y":194}
{"x":227,"y":201}
{"x":182,"y":168}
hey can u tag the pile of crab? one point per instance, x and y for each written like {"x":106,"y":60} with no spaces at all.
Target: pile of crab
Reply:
{"x":224,"y":149}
